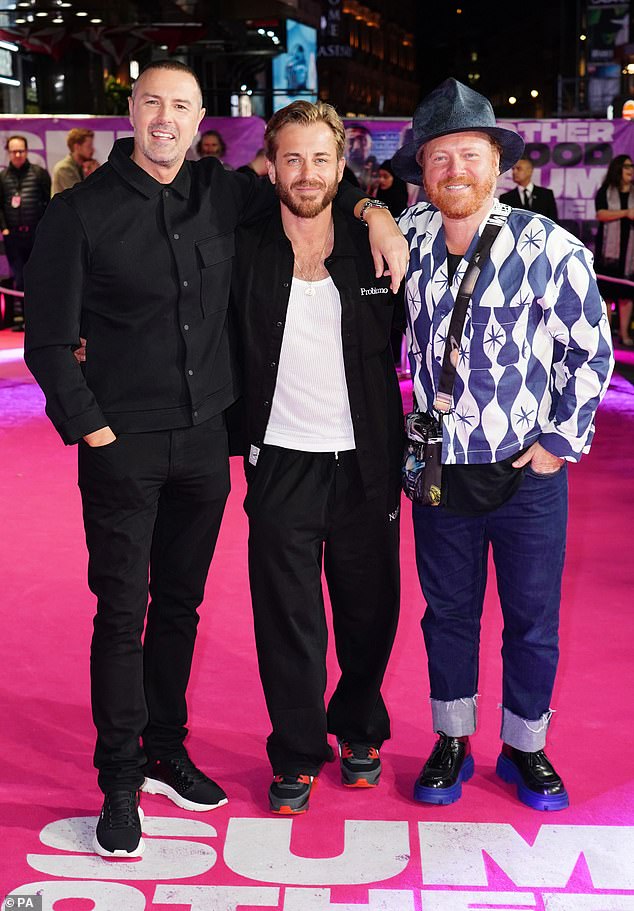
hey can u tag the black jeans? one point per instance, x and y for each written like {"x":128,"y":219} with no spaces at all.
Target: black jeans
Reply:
{"x":153,"y":503}
{"x":304,"y":508}
{"x":18,"y":246}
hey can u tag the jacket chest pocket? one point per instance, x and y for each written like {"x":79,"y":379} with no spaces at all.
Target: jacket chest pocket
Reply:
{"x":215,"y":257}
{"x":498,"y":336}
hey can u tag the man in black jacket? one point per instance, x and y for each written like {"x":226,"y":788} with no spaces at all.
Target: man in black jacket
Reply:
{"x":25,"y":190}
{"x":324,"y":435}
{"x":527,"y":195}
{"x":138,"y":259}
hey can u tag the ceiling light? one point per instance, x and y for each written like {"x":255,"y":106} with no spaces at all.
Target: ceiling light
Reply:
{"x":41,"y":13}
{"x":57,"y":20}
{"x":81,"y":14}
{"x":20,"y":21}
{"x":512,"y":99}
{"x":96,"y":21}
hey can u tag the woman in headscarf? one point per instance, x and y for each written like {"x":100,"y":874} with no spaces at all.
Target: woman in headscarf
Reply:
{"x":391,"y":189}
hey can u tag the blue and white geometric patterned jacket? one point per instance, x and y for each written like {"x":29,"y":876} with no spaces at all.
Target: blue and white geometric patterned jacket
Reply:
{"x":536,"y":353}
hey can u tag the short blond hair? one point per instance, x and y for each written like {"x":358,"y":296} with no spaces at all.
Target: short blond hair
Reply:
{"x":304,"y":113}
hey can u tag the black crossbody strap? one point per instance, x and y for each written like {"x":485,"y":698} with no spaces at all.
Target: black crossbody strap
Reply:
{"x":442,"y":402}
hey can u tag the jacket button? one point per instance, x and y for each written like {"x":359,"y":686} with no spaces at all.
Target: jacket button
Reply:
{"x":176,"y":236}
{"x":190,"y":372}
{"x":266,"y":404}
{"x":186,"y":327}
{"x":185,"y":284}
{"x":285,"y":285}
{"x":272,"y":364}
{"x":279,"y":324}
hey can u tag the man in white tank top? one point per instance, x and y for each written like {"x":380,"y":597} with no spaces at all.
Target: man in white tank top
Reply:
{"x":324,"y":425}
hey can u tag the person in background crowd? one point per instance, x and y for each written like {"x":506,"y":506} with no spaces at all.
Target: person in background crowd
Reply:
{"x":89,"y":167}
{"x":614,"y":254}
{"x":358,"y":148}
{"x":257,"y":165}
{"x":25,"y":191}
{"x":391,"y":189}
{"x":212,"y":145}
{"x":140,"y":257}
{"x":531,"y":365}
{"x":69,"y":171}
{"x":325,"y":428}
{"x":527,"y":195}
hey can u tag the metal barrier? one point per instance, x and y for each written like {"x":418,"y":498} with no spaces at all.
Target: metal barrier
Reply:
{"x":617,"y":281}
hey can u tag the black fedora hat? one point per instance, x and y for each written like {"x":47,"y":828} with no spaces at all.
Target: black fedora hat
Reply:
{"x":454,"y":108}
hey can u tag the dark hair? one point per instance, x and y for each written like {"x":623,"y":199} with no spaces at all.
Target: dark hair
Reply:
{"x":175,"y":65}
{"x":221,"y":142}
{"x":16,"y":136}
{"x":615,"y":170}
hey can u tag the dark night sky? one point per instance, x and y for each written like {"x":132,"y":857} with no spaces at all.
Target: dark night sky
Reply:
{"x":518,"y":46}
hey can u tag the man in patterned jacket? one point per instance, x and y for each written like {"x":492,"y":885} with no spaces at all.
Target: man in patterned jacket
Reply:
{"x":532,"y":365}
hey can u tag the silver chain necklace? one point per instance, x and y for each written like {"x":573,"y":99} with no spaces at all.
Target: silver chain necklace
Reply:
{"x":310,"y":279}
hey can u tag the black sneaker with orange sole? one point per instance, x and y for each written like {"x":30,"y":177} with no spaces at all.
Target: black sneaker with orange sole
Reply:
{"x":288,"y":794}
{"x":360,"y":764}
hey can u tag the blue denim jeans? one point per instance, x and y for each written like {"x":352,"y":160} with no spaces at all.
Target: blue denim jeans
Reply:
{"x":528,"y":538}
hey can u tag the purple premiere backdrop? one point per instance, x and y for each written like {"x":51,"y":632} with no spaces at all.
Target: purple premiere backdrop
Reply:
{"x":46,"y":135}
{"x":569,"y":156}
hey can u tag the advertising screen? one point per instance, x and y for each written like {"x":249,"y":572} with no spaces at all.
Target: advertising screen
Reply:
{"x":295,"y":72}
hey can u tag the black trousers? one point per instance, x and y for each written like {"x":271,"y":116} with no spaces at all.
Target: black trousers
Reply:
{"x":304,"y":508}
{"x":18,"y":246}
{"x":152,"y":503}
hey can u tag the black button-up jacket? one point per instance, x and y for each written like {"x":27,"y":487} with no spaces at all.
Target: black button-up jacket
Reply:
{"x":260,"y":295}
{"x":143,"y":271}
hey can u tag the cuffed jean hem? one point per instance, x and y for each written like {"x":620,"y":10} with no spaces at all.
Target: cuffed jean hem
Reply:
{"x":523,"y":734}
{"x":457,"y":718}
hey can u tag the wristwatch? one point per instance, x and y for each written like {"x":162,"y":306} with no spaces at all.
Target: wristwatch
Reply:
{"x":371,"y":204}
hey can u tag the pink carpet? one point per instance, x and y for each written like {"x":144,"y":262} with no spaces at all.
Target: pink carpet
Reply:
{"x":374,"y":850}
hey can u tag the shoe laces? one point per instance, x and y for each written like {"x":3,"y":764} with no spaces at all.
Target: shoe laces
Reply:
{"x":121,"y":809}
{"x":292,"y":779}
{"x":358,"y":751}
{"x":185,"y":770}
{"x":444,"y":750}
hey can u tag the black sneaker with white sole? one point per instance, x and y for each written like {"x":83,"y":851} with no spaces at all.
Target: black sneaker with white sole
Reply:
{"x":184,"y":784}
{"x":119,"y":828}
